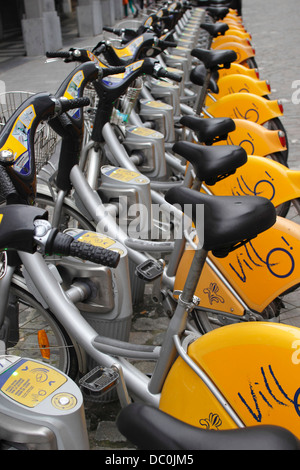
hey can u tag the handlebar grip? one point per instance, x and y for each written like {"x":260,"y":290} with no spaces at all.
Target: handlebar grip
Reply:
{"x":66,"y":104}
{"x":115,"y":31}
{"x":64,"y":244}
{"x":172,"y":76}
{"x":166,"y":44}
{"x":96,"y":254}
{"x":61,"y":54}
{"x":108,"y":28}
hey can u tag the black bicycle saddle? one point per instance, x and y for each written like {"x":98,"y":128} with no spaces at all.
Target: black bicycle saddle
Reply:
{"x":217,"y":12}
{"x":229,"y":221}
{"x":215,"y":29}
{"x":209,"y":130}
{"x":151,"y":429}
{"x":214,"y":58}
{"x":212,"y":163}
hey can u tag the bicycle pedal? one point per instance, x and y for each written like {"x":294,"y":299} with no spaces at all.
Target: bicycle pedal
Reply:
{"x":98,"y":381}
{"x":149,"y":270}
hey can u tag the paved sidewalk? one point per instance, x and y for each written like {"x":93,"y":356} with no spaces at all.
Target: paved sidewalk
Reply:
{"x":274,"y":26}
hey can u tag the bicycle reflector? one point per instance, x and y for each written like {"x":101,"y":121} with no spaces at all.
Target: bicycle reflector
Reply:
{"x":44,"y":344}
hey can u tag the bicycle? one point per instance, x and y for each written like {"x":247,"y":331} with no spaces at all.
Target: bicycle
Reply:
{"x":236,"y":302}
{"x":152,"y":429}
{"x":248,"y":175}
{"x":112,"y":353}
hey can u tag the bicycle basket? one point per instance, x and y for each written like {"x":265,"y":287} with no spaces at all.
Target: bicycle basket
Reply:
{"x":125,"y":104}
{"x":45,"y":140}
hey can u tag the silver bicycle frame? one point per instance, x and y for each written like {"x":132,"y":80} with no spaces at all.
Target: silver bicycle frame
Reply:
{"x":112,"y":353}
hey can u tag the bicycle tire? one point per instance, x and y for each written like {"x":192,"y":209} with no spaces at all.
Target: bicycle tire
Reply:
{"x":283,"y":309}
{"x":32,"y":318}
{"x":206,"y":321}
{"x":275,"y":124}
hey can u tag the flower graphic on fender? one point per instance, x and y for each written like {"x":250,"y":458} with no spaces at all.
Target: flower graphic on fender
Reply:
{"x":212,"y":422}
{"x":212,"y":292}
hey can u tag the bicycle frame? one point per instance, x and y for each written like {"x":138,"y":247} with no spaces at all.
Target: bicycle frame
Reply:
{"x":194,"y":366}
{"x":241,"y":297}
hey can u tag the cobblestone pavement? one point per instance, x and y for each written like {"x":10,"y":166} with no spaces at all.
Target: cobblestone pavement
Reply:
{"x":274,"y":26}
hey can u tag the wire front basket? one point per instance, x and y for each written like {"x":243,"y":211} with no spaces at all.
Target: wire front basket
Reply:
{"x":45,"y":140}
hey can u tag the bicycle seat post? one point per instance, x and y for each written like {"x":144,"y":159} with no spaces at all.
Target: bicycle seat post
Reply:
{"x":200,"y":100}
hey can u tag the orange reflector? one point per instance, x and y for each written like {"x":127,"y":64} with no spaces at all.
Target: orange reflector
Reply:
{"x":44,"y":344}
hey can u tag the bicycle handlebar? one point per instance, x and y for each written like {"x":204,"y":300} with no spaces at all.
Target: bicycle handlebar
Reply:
{"x":166,"y":44}
{"x":64,"y":244}
{"x":66,"y":105}
{"x":61,"y":54}
{"x":116,"y":31}
{"x":163,"y":73}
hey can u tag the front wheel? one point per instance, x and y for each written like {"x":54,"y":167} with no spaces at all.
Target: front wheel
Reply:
{"x":35,"y":333}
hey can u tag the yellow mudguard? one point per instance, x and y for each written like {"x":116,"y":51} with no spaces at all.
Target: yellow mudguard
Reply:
{"x":237,"y":32}
{"x":232,"y":23}
{"x":224,"y":40}
{"x":239,"y":84}
{"x":261,"y":177}
{"x":254,"y":366}
{"x":255,"y":139}
{"x":246,"y":106}
{"x":243,"y":51}
{"x":259,"y":271}
{"x":238,"y":69}
{"x":242,"y":84}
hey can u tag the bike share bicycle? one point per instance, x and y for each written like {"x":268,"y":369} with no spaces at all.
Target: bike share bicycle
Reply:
{"x":219,"y":237}
{"x":41,"y":408}
{"x":217,"y":296}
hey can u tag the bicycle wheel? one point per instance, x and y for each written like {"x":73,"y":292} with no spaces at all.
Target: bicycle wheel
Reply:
{"x":40,"y":336}
{"x":70,"y":217}
{"x":284,"y":309}
{"x":207,"y":321}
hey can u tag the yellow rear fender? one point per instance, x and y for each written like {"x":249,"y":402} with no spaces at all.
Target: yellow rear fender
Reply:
{"x":246,"y":106}
{"x":237,"y":32}
{"x":224,"y":40}
{"x":234,"y":24}
{"x":214,"y":294}
{"x":261,"y":177}
{"x":266,"y":266}
{"x":255,"y":367}
{"x":259,"y":271}
{"x":241,"y":84}
{"x":243,"y":51}
{"x":255,"y":139}
{"x":238,"y":69}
